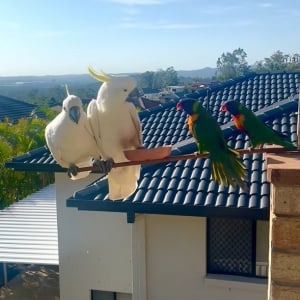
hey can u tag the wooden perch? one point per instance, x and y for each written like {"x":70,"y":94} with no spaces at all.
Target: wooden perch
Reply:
{"x":269,"y":149}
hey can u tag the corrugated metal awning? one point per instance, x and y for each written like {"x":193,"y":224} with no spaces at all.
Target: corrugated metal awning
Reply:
{"x":28,"y":230}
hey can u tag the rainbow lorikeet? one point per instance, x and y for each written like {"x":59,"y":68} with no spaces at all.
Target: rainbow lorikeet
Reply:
{"x":259,"y":133}
{"x":226,"y":168}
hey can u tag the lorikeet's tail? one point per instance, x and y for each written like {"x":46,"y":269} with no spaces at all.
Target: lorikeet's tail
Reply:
{"x":287,"y":144}
{"x":229,"y":170}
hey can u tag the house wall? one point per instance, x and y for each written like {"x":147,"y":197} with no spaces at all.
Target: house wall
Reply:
{"x":94,"y":247}
{"x":176,"y":264}
{"x":157,"y":257}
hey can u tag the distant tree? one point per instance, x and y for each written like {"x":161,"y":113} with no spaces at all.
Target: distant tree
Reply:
{"x":278,"y":61}
{"x":171,"y":77}
{"x":159,"y":79}
{"x":231,"y":65}
{"x":146,"y":79}
{"x":163,"y":78}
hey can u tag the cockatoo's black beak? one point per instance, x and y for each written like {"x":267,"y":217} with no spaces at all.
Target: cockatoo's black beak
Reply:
{"x":74,"y":114}
{"x":135,"y":94}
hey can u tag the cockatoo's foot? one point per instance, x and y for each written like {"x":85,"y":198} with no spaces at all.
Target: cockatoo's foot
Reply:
{"x":72,"y":170}
{"x":103,"y":166}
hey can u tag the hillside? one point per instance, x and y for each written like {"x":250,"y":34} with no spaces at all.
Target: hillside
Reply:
{"x":200,"y":73}
{"x":26,"y":88}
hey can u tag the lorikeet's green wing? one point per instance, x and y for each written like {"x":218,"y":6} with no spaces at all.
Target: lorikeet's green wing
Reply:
{"x":226,"y":167}
{"x":259,"y":133}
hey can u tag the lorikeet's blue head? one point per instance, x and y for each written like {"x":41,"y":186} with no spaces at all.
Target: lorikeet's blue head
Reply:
{"x":231,"y":106}
{"x":187,"y":104}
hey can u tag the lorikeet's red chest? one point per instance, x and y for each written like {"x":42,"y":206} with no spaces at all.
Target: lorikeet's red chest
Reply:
{"x":238,"y":121}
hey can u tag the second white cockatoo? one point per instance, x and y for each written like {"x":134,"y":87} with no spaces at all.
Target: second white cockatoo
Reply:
{"x":71,"y":142}
{"x":116,"y":128}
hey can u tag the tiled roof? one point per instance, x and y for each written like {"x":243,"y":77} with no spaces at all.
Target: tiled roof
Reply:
{"x":14,"y":109}
{"x":184,"y":187}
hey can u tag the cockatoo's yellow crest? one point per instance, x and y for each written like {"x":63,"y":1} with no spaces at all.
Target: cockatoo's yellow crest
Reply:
{"x":99,"y":76}
{"x":67,"y":90}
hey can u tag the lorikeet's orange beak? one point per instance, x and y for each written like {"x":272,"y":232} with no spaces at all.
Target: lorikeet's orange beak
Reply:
{"x":223,"y":108}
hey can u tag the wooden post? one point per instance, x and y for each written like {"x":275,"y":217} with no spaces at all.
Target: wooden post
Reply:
{"x":283,"y":172}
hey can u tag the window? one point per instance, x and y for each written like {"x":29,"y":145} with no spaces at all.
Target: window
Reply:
{"x":105,"y":295}
{"x":102,"y":295}
{"x":232,"y":247}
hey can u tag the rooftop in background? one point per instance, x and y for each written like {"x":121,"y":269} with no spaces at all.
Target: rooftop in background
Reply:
{"x":15,"y":109}
{"x":185,"y":187}
{"x":28,"y":230}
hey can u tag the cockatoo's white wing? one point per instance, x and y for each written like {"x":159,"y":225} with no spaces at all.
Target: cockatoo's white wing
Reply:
{"x":116,"y":126}
{"x":71,"y":142}
{"x":51,"y":140}
{"x":137,"y":142}
{"x":93,"y":117}
{"x":123,"y":181}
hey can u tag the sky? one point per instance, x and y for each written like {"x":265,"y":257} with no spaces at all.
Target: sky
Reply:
{"x":56,"y":37}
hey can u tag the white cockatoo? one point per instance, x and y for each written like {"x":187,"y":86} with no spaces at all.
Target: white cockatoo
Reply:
{"x":116,"y":128}
{"x":70,"y":139}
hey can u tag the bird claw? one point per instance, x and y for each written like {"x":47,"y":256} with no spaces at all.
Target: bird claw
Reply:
{"x":103,"y":166}
{"x":72,"y":170}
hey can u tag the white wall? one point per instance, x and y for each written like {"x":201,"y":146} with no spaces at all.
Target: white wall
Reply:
{"x":176,"y":264}
{"x":94,"y":247}
{"x":158,"y":257}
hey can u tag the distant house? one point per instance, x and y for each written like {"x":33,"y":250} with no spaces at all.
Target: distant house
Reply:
{"x":180,"y":235}
{"x":13,"y":109}
{"x":175,"y":88}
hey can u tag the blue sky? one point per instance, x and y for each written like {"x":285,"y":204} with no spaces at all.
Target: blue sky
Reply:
{"x":64,"y":37}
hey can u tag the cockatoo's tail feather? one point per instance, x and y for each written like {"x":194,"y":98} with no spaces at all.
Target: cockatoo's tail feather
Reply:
{"x":99,"y":76}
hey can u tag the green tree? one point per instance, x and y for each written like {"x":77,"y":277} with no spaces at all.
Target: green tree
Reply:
{"x":145,"y":80}
{"x":232,"y":64}
{"x":171,"y":77}
{"x":17,"y":139}
{"x":162,"y":78}
{"x":278,"y":61}
{"x":159,"y":79}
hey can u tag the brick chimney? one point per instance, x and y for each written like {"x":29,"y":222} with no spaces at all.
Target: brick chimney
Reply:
{"x":283,"y":171}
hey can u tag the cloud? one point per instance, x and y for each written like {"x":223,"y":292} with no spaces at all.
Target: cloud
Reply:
{"x":220,"y":9}
{"x":138,"y":2}
{"x":131,"y":11}
{"x":265,"y":4}
{"x":127,"y":23}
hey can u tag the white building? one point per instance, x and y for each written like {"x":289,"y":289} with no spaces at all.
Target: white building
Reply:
{"x":180,"y":236}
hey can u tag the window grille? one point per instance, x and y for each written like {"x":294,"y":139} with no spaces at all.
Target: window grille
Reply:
{"x":231,"y":246}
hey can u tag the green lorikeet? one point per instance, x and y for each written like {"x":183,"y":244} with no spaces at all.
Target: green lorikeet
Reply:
{"x":226,"y":168}
{"x":258,"y":132}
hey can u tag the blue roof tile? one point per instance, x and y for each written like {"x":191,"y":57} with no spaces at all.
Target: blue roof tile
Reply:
{"x":242,"y":200}
{"x":185,"y":187}
{"x":169,"y":197}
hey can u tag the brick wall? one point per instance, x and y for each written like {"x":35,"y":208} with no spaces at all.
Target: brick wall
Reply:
{"x":284,"y":255}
